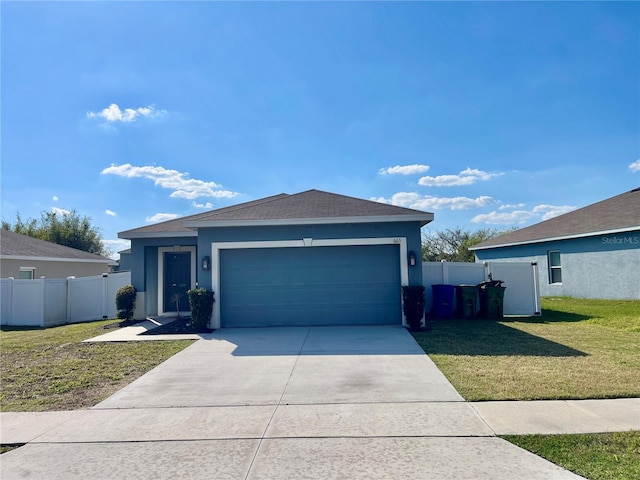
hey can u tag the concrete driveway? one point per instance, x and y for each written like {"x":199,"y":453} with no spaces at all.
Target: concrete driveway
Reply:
{"x":282,"y":403}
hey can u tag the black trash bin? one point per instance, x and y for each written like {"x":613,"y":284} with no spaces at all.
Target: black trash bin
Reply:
{"x":491,"y":299}
{"x":467,"y":300}
{"x":443,"y":296}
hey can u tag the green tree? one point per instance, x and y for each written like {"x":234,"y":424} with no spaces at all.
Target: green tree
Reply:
{"x":69,"y":229}
{"x":452,"y":245}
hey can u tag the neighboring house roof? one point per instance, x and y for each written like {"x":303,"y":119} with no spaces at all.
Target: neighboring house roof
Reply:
{"x":22,"y":247}
{"x":613,"y":215}
{"x":310,"y":207}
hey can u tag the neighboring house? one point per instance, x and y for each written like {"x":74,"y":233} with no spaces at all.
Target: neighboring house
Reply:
{"x":312,"y":258}
{"x":24,"y":257}
{"x":592,"y":252}
{"x":124,"y":264}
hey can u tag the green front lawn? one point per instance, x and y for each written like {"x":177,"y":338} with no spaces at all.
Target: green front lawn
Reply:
{"x":598,"y":456}
{"x":577,"y":349}
{"x":51,"y":369}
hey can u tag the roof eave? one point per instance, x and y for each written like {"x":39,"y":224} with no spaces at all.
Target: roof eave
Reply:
{"x":563,"y":237}
{"x":422,"y":218}
{"x":133,"y":235}
{"x":108,"y":261}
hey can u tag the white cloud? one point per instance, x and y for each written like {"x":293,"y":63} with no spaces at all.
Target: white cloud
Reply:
{"x":161,"y":217}
{"x":404,"y":170}
{"x":505,"y":218}
{"x":182,"y":186}
{"x":54,"y":198}
{"x":508,"y":206}
{"x":115,"y":246}
{"x":428,"y":202}
{"x":111,"y":213}
{"x":539,"y":212}
{"x":479,"y":174}
{"x":550,"y":211}
{"x":202,"y":205}
{"x":467,"y":176}
{"x":446,"y":181}
{"x":635,"y":166}
{"x":113,"y":113}
{"x":60,"y":211}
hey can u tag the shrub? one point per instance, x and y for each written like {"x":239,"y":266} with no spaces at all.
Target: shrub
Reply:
{"x":201,"y":303}
{"x":126,"y":302}
{"x":413,"y":304}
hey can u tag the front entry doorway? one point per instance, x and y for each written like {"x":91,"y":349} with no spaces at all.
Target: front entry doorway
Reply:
{"x":177,"y":280}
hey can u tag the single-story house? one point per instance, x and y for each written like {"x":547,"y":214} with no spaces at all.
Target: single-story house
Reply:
{"x":592,"y":252}
{"x":24,"y":257}
{"x":311,"y":258}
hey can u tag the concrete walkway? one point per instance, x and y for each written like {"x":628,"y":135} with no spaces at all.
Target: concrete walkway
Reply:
{"x":322,"y":403}
{"x":502,"y":418}
{"x":560,"y":416}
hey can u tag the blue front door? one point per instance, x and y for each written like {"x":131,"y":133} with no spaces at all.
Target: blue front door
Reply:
{"x":177,"y":280}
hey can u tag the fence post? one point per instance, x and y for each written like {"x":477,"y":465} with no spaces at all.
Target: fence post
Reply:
{"x":105,"y":292}
{"x":69,"y":288}
{"x":445,"y":272}
{"x":42,"y":280}
{"x":536,"y":294}
{"x":9,"y":321}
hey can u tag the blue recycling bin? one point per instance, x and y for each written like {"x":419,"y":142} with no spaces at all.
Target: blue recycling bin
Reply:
{"x":443,"y":304}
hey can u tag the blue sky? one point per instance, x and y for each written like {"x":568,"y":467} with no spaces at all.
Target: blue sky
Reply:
{"x":486,"y":114}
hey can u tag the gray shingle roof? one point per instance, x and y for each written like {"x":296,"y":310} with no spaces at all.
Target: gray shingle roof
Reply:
{"x":16,"y":245}
{"x":311,"y":206}
{"x":619,"y":213}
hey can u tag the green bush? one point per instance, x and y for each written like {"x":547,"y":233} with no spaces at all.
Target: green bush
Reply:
{"x":126,"y":302}
{"x":413,"y":304}
{"x":201,"y":303}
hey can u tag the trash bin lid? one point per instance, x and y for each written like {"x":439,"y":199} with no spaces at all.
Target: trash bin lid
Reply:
{"x":491,"y":283}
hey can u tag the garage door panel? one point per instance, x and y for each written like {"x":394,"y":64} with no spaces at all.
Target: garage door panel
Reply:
{"x":310,"y":286}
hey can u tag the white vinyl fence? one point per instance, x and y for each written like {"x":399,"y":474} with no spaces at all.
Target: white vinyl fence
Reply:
{"x":522,"y":294}
{"x":46,"y":302}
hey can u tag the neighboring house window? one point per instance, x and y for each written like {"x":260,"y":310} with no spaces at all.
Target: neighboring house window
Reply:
{"x":27,"y":273}
{"x":555,"y":269}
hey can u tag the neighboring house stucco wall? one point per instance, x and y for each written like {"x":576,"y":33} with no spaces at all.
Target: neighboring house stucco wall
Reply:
{"x":124,"y":265}
{"x":605,"y":267}
{"x":52,"y":269}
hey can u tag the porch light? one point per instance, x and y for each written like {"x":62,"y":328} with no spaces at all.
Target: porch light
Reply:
{"x":206,"y":263}
{"x":412,"y":259}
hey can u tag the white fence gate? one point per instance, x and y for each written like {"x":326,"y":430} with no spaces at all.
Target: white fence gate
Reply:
{"x":46,"y":302}
{"x":522,"y":294}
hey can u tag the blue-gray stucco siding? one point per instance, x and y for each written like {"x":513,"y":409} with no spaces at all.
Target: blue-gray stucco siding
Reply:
{"x":144,"y":252}
{"x":604,"y":266}
{"x":409,"y":230}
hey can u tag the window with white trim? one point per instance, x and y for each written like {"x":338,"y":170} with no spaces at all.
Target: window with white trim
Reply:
{"x":555,"y":267}
{"x":27,"y":273}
